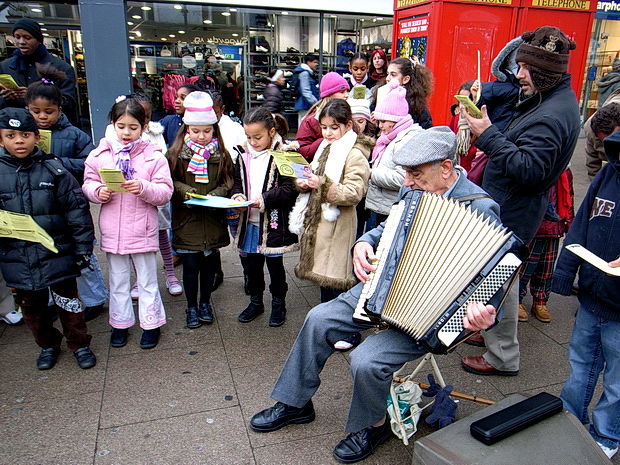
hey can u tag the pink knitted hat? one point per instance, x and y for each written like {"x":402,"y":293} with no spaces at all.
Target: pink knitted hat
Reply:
{"x":394,"y":106}
{"x":332,"y":83}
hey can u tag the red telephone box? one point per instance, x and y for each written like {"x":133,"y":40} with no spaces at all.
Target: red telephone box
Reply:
{"x":445,"y":35}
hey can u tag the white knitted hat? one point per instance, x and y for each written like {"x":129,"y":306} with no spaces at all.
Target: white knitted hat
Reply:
{"x":359,"y":107}
{"x":435,"y":144}
{"x":199,"y":109}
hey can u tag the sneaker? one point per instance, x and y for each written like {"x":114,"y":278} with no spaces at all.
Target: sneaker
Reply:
{"x":85,"y":358}
{"x":174,"y":286}
{"x":205,"y":313}
{"x":261,"y":49}
{"x":191,"y":318}
{"x":349,"y":342}
{"x":541,"y":313}
{"x":523,"y":313}
{"x":150,"y":338}
{"x":135,"y":293}
{"x":609,"y":452}
{"x":118,"y":337}
{"x":13,"y":318}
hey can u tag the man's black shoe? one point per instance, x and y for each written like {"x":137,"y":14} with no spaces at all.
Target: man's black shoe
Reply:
{"x":280,"y":415}
{"x":47,"y":358}
{"x":150,"y":338}
{"x":358,"y":446}
{"x":85,"y":358}
{"x":90,"y":313}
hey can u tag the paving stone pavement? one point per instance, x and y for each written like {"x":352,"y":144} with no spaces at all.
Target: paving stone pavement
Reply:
{"x":189,"y":400}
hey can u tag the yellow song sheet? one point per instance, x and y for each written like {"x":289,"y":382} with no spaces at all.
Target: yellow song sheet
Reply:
{"x":112,"y":179}
{"x":7,"y":81}
{"x":22,"y":226}
{"x":45,"y":143}
{"x":291,"y":164}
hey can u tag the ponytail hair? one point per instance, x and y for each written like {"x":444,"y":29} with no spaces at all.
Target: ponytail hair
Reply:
{"x":419,"y":87}
{"x":269,"y":120}
{"x":46,"y":88}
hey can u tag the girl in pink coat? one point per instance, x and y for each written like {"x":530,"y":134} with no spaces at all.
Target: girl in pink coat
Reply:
{"x":128,"y":219}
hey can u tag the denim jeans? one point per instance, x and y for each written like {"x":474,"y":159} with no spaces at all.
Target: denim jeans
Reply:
{"x":91,"y":284}
{"x":593,"y":348}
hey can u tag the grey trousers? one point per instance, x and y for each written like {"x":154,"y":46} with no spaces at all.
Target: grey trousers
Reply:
{"x":372,"y":363}
{"x":501,"y":340}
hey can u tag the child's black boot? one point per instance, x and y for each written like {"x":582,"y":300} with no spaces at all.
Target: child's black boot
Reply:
{"x":255,"y":308}
{"x":278,"y":311}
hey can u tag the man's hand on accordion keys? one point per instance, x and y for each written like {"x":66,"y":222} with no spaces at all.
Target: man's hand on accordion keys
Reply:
{"x":363,"y":259}
{"x":479,"y":316}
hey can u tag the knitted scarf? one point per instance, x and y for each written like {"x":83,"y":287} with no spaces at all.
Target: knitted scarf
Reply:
{"x":123,"y":160}
{"x":385,"y":139}
{"x":22,"y":61}
{"x":201,"y":154}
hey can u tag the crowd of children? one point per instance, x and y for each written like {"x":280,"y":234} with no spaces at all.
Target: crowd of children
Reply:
{"x":349,"y":141}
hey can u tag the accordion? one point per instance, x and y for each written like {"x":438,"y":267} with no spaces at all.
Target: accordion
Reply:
{"x":434,"y":257}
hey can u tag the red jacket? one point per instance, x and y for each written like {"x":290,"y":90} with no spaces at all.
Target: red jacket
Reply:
{"x":563,"y":192}
{"x":309,"y":136}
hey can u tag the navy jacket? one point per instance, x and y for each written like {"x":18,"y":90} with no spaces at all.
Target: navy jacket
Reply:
{"x":500,"y":99}
{"x":72,"y":146}
{"x":527,"y":159}
{"x":597,"y":228}
{"x":40,"y":186}
{"x":171,"y":124}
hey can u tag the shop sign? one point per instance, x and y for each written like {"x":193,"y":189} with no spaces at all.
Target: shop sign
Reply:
{"x":188,"y":61}
{"x":494,"y":2}
{"x":611,"y":8}
{"x":221,"y":41}
{"x":567,"y":4}
{"x":413,"y":25}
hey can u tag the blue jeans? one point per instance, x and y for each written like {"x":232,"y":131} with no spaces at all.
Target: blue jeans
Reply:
{"x":593,"y":348}
{"x":91,"y":284}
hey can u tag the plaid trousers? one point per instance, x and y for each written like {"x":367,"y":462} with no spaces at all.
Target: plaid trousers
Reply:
{"x":538,"y":269}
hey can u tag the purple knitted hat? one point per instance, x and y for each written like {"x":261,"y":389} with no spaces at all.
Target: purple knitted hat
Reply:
{"x":394,"y":106}
{"x":332,"y":83}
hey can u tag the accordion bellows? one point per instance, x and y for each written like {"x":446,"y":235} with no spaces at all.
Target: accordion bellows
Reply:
{"x":435,"y":256}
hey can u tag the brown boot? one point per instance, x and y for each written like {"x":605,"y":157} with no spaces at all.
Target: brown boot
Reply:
{"x":541,"y":312}
{"x":522,"y":313}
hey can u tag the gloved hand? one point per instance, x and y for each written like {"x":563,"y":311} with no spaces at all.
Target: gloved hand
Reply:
{"x":433,"y":388}
{"x":443,"y":411}
{"x":82,"y":262}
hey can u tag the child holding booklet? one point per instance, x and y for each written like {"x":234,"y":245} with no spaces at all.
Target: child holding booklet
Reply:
{"x":128,"y":220}
{"x":200,"y":164}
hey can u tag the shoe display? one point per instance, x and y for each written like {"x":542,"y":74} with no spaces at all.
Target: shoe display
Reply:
{"x":288,"y":74}
{"x":135,"y":292}
{"x":47,"y":358}
{"x":191,"y":318}
{"x":476,"y":340}
{"x":541,"y":313}
{"x":348,"y":343}
{"x":150,"y":338}
{"x":261,"y":49}
{"x":13,"y":318}
{"x":205,"y":313}
{"x":292,"y":50}
{"x":357,"y":446}
{"x":278,"y":312}
{"x":90,"y":313}
{"x":255,"y":308}
{"x":479,"y":366}
{"x":218,"y":280}
{"x":523,"y":314}
{"x":119,"y":337}
{"x":174,"y":286}
{"x":85,"y":358}
{"x":280,"y":415}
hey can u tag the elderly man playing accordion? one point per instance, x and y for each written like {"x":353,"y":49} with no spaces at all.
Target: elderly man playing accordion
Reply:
{"x":429,"y":163}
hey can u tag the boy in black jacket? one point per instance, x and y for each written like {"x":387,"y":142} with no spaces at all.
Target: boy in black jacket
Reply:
{"x":38,"y":184}
{"x":594,"y":343}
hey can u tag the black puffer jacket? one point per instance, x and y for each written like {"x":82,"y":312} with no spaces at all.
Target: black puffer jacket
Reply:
{"x":274,"y":99}
{"x":72,"y":146}
{"x":527,"y":159}
{"x":40,"y":186}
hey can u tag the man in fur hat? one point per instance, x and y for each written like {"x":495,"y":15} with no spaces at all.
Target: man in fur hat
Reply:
{"x":429,"y":162}
{"x":525,"y":161}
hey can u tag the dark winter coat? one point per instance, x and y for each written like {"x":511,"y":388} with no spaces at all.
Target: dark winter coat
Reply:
{"x":423,"y":119}
{"x":40,"y":186}
{"x":279,"y":195}
{"x":597,"y":228}
{"x":66,"y":86}
{"x":500,"y":99}
{"x":72,"y":146}
{"x":274,"y":98}
{"x":171,"y":124}
{"x":195,"y":227}
{"x":606,"y":85}
{"x":530,"y":155}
